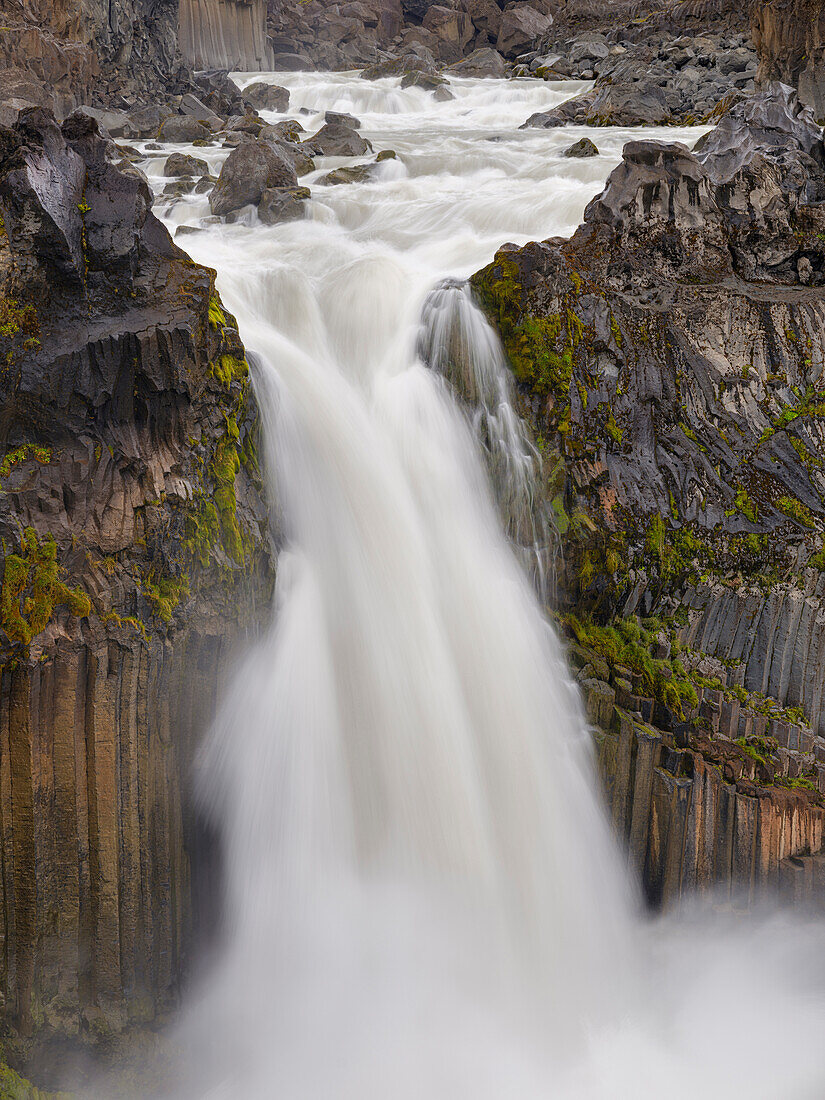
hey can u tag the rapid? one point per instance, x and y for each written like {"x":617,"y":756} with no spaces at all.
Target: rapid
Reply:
{"x":423,"y":897}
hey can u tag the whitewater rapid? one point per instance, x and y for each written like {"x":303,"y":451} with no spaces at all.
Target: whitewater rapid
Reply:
{"x":423,"y":896}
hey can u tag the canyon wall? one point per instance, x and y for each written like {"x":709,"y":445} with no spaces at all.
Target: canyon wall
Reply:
{"x":671,"y":361}
{"x":77,"y":50}
{"x":225,"y":34}
{"x":136,"y":558}
{"x":790,"y":38}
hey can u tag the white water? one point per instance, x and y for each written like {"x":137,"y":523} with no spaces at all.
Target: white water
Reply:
{"x":424,"y":899}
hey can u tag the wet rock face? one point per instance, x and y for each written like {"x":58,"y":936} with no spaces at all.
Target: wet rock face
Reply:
{"x":133,"y":535}
{"x":790,"y":40}
{"x":670,"y":355}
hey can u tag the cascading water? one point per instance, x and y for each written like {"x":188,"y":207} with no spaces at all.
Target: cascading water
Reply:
{"x":423,"y":899}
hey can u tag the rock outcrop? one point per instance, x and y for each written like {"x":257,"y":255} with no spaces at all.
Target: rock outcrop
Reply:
{"x":135,"y":554}
{"x":670,"y":357}
{"x":790,"y":40}
{"x":88,"y":49}
{"x":660,"y":80}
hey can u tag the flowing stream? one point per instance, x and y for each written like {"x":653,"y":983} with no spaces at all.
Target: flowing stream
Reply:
{"x":424,"y":899}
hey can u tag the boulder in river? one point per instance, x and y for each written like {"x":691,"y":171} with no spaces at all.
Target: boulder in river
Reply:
{"x":480,"y":63}
{"x":183,"y":129}
{"x":266,"y":97}
{"x":247,"y":172}
{"x":584,"y":147}
{"x":282,"y":204}
{"x":340,"y":118}
{"x":182,"y":164}
{"x":334,"y":140}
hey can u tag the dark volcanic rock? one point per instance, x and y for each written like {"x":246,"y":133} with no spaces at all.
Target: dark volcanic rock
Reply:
{"x":584,"y":147}
{"x":247,"y":172}
{"x":336,"y":141}
{"x":184,"y":129}
{"x":282,"y":204}
{"x":266,"y":97}
{"x":672,"y":351}
{"x":133,"y":534}
{"x":336,"y":118}
{"x":520,"y":26}
{"x":180,"y":164}
{"x":484,"y":62}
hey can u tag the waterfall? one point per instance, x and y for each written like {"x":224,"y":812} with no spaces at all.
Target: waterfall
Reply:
{"x":423,"y":897}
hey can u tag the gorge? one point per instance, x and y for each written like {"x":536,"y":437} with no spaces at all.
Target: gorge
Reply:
{"x":412,"y":527}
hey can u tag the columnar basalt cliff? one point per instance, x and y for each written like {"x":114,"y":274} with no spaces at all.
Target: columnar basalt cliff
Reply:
{"x":670,"y":357}
{"x":225,"y":34}
{"x":790,"y":38}
{"x":135,"y":555}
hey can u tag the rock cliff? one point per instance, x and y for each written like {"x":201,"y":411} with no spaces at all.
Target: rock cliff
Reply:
{"x":670,"y":358}
{"x":75,"y":50}
{"x":790,"y":38}
{"x":225,"y":34}
{"x":135,"y":553}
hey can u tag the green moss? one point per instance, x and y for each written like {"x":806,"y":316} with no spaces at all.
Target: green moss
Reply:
{"x":224,"y":470}
{"x":613,"y":429}
{"x":795,"y":510}
{"x":164,"y":593}
{"x":43,"y":455}
{"x":217,"y":317}
{"x":228,"y":368}
{"x":32,"y":588}
{"x":16,"y":318}
{"x":15,"y":1087}
{"x":743,"y":503}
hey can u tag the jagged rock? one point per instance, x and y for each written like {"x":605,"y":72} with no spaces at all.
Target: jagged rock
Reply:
{"x":520,"y":27}
{"x":266,"y":97}
{"x":282,"y":204}
{"x":184,"y":129}
{"x":247,"y":172}
{"x":636,"y":104}
{"x":336,"y":141}
{"x":294,"y":152}
{"x":480,"y":63}
{"x":181,"y":164}
{"x":219,"y":92}
{"x":584,"y":147}
{"x":486,"y":16}
{"x":139,"y":506}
